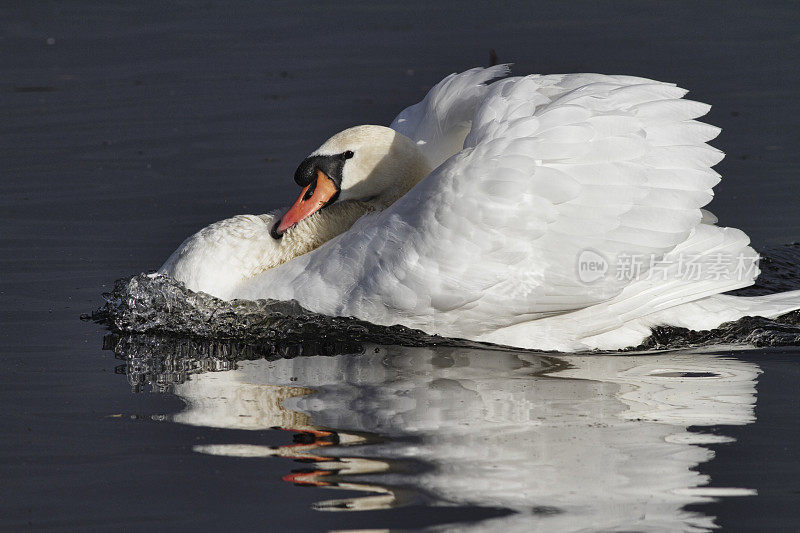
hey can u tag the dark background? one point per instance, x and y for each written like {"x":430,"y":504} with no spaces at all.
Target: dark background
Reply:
{"x":126,"y":126}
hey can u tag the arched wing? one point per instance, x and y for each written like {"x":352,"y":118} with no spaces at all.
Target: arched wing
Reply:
{"x":610,"y":169}
{"x":440,"y":122}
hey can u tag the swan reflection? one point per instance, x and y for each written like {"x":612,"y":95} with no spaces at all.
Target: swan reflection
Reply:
{"x":567,"y":442}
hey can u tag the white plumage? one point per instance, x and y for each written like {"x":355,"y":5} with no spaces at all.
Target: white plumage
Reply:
{"x":530,"y":175}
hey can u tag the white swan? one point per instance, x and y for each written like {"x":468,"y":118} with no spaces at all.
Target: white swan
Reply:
{"x":546,"y":211}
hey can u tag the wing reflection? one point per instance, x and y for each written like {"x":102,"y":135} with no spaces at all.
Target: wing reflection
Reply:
{"x":568,"y":442}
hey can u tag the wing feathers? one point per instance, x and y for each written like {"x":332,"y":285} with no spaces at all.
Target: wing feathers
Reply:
{"x":685,"y":133}
{"x":554,"y":169}
{"x":669,"y":111}
{"x":621,"y":159}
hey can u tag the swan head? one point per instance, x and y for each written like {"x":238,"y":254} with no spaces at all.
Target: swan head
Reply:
{"x":369,"y":164}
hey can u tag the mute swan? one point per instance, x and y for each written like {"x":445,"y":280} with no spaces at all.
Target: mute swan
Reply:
{"x":546,"y":211}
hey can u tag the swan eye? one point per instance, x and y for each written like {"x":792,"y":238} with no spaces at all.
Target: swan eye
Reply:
{"x":348,"y":154}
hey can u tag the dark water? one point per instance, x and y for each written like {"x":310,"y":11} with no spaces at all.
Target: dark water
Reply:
{"x":126,"y":127}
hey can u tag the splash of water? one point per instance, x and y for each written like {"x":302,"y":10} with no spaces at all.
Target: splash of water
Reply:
{"x":153,"y":303}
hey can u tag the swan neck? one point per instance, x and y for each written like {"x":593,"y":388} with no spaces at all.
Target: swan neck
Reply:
{"x":316,"y":230}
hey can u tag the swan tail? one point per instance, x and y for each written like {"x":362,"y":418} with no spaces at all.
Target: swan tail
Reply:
{"x":697,"y":315}
{"x":773,"y":305}
{"x":713,"y":311}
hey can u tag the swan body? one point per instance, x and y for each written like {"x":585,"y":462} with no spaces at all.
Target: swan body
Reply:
{"x":512,"y":212}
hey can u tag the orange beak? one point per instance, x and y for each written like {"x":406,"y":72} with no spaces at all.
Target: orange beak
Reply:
{"x":313,"y":197}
